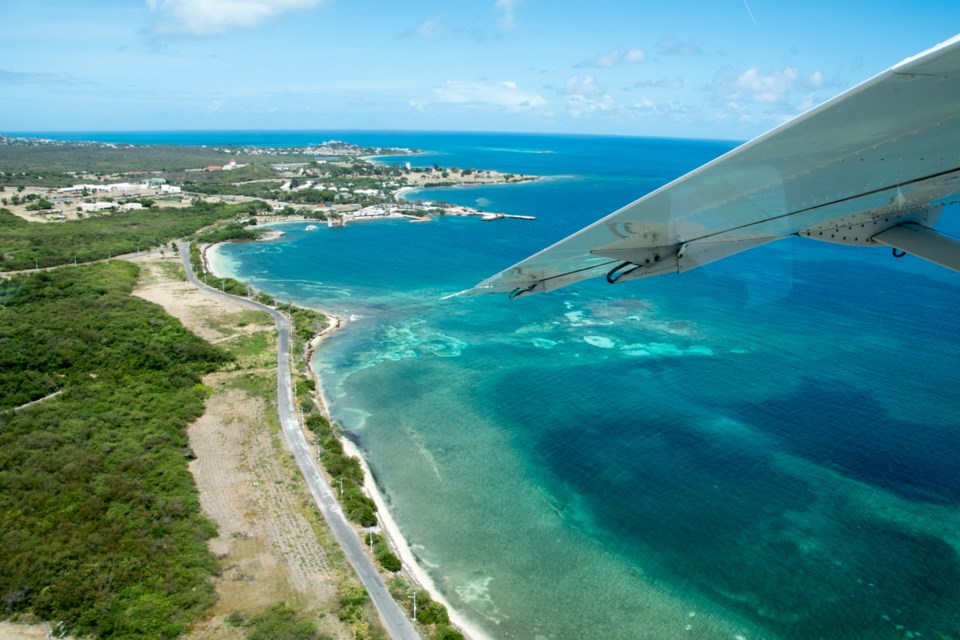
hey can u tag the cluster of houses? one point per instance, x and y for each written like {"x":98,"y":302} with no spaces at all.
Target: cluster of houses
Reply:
{"x":342,"y":192}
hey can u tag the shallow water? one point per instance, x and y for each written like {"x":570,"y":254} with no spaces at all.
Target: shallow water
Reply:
{"x":764,"y":447}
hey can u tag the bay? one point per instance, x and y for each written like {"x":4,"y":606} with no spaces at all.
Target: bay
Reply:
{"x":765,"y":447}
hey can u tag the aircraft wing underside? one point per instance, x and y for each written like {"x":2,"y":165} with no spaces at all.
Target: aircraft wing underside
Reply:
{"x":884,"y":154}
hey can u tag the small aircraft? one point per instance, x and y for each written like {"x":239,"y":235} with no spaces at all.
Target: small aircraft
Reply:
{"x":873,"y":166}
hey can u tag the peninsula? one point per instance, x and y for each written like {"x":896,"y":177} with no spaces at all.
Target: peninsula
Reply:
{"x":335,"y":182}
{"x":68,"y":212}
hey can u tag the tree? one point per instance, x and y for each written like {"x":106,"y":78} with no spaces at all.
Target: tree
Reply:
{"x":40,"y":205}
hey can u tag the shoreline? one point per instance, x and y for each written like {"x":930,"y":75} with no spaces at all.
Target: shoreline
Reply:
{"x":388,"y":526}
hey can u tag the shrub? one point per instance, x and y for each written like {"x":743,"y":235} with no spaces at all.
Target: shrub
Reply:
{"x":432,"y":613}
{"x":280,"y":622}
{"x":445,"y":632}
{"x":389,"y":561}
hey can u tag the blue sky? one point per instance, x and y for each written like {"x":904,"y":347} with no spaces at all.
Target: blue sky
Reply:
{"x":708,"y":69}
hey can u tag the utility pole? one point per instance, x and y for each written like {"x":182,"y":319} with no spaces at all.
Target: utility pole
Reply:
{"x":340,"y":479}
{"x":414,"y":596}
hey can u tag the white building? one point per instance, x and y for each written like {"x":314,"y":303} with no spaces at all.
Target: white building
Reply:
{"x":90,"y":207}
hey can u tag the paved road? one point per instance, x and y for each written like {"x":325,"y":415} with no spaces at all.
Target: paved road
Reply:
{"x":394,"y":619}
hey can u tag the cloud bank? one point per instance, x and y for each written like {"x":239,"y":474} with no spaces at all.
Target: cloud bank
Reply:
{"x":210,"y":17}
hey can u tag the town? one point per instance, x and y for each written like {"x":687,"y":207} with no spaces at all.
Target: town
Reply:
{"x":333,"y":182}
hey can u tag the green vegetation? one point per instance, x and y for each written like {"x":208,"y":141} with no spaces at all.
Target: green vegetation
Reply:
{"x":99,"y":518}
{"x":382,"y":553}
{"x":446,"y":632}
{"x":430,"y":613}
{"x":40,"y":205}
{"x":307,"y":323}
{"x":25,"y":245}
{"x":345,"y":469}
{"x":58,"y":165}
{"x":232,"y":231}
{"x":279,"y":622}
{"x":228,"y":285}
{"x":356,"y":610}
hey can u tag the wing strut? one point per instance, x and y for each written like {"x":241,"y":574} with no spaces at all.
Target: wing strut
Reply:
{"x":922,"y":242}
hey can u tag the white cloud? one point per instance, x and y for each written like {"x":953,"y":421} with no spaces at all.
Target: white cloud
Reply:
{"x":20,"y":77}
{"x":207,"y":17}
{"x":661,"y":83}
{"x":504,"y":95}
{"x":672,"y":46}
{"x":646,"y":106}
{"x":607,"y":59}
{"x":433,"y":28}
{"x":585,"y":96}
{"x":507,"y":9}
{"x":615,"y":57}
{"x":771,"y":87}
{"x":586,"y":86}
{"x":754,"y":96}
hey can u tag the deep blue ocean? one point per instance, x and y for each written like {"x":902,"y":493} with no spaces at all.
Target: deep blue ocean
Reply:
{"x":767,"y":447}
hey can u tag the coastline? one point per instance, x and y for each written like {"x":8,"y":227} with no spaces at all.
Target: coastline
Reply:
{"x":416,"y":573}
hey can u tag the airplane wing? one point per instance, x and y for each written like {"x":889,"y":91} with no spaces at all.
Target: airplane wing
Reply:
{"x":872,"y":166}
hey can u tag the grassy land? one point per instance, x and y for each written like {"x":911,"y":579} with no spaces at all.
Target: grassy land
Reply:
{"x":351,"y":608}
{"x":25,"y":245}
{"x":99,"y":517}
{"x":57,"y":165}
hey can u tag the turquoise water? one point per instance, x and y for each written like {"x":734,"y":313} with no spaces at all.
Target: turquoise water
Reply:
{"x":768,"y":447}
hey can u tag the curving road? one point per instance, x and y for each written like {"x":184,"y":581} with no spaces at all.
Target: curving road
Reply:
{"x":391,"y":615}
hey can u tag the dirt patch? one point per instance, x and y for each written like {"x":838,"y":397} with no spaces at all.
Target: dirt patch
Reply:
{"x":266,"y":545}
{"x":12,"y":631}
{"x":212,"y":318}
